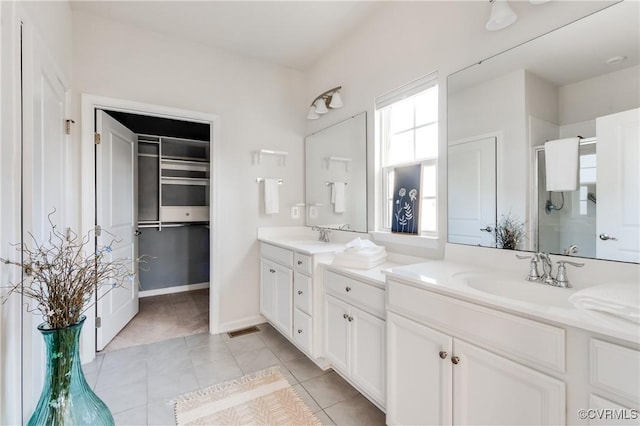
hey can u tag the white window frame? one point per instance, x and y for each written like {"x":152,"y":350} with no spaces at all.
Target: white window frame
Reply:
{"x":382,"y":198}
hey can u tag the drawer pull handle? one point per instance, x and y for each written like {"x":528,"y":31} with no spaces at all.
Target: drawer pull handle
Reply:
{"x":350,"y":318}
{"x":299,"y":331}
{"x":443,"y":354}
{"x":345,"y":316}
{"x":273,"y":271}
{"x":299,"y":262}
{"x":300,"y":292}
{"x":187,"y":214}
{"x":348,"y":289}
{"x":455,"y":360}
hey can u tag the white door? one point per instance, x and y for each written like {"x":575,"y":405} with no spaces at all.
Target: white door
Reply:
{"x":368,"y":353}
{"x":284,"y":300}
{"x":618,"y":186}
{"x":267,"y":289}
{"x":45,"y":186}
{"x":491,"y":390}
{"x":116,"y":213}
{"x":336,"y":333}
{"x":472,"y":192}
{"x":419,"y":374}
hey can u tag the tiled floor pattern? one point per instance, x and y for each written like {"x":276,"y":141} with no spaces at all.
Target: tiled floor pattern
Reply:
{"x":138,"y":382}
{"x":164,"y":317}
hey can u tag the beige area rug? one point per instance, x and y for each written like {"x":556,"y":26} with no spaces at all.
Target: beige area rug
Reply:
{"x":262,"y":398}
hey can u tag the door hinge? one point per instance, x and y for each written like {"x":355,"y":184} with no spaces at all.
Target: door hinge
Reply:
{"x":67,"y":125}
{"x":98,"y":230}
{"x":98,"y":322}
{"x":97,"y":139}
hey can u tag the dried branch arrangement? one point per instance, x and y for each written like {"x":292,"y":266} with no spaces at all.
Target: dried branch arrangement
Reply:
{"x":509,"y":232}
{"x":60,"y":278}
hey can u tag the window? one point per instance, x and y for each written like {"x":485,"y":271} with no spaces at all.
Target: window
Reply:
{"x":407,"y":133}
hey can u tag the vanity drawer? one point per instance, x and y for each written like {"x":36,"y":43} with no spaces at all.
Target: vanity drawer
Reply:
{"x":302,"y":292}
{"x":611,"y":367}
{"x":366,"y":296}
{"x":302,"y":263}
{"x":277,"y":254}
{"x":302,"y":328}
{"x":524,"y":340}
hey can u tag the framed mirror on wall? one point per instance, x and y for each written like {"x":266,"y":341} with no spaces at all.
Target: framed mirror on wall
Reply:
{"x":336,"y":175}
{"x":579,"y":84}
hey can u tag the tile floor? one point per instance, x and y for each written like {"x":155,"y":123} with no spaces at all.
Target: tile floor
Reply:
{"x":138,"y":382}
{"x":163,"y":317}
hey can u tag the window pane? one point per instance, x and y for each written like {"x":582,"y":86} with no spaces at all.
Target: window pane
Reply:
{"x":401,"y":115}
{"x":401,"y":147}
{"x":427,"y":142}
{"x":429,"y":181}
{"x":390,"y":181}
{"x":388,"y":214}
{"x":427,"y":106}
{"x":428,"y":215}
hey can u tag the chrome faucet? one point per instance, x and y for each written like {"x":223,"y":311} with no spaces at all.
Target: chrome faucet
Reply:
{"x":560,"y":280}
{"x":324,"y":233}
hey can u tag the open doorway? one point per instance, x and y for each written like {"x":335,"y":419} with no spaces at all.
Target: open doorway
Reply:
{"x":165,"y":201}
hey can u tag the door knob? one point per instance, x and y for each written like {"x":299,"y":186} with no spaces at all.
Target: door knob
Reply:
{"x":299,"y":262}
{"x":345,"y":316}
{"x":299,"y":292}
{"x":443,"y":354}
{"x":348,"y":289}
{"x":137,"y":233}
{"x":455,"y":360}
{"x":299,"y":331}
{"x":605,"y":237}
{"x":273,"y":271}
{"x":487,"y":229}
{"x":350,"y":318}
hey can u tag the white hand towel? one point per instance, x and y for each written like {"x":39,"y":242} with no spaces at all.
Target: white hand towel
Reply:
{"x":271,"y":196}
{"x":561,"y":164}
{"x":338,"y":196}
{"x":619,"y":299}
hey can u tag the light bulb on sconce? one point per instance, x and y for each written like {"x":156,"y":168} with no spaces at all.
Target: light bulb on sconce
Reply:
{"x":330,"y":99}
{"x":501,"y":15}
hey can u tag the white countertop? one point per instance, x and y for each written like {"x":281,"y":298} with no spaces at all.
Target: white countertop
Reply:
{"x":537,"y":300}
{"x":304,"y":246}
{"x":374,"y":276}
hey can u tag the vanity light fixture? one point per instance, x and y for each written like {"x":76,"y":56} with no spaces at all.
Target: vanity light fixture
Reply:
{"x":501,"y":15}
{"x":330,"y":99}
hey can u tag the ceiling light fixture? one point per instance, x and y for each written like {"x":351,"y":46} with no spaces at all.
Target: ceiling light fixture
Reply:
{"x":330,"y":99}
{"x":501,"y":15}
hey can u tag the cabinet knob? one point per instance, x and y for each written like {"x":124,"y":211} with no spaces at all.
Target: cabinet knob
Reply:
{"x":273,"y":271}
{"x":299,"y":262}
{"x":455,"y":360}
{"x":350,"y":318}
{"x":348,"y":289}
{"x":187,"y":214}
{"x":443,"y":354}
{"x":345,"y":316}
{"x":299,"y":331}
{"x":300,"y":292}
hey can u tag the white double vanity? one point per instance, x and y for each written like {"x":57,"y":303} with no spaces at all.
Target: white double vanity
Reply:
{"x":450,"y":341}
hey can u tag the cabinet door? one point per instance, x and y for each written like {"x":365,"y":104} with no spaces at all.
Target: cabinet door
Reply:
{"x":336,"y":333}
{"x":368,"y":353}
{"x":284,"y":300}
{"x":490,"y":389}
{"x":418,"y":378}
{"x":267,"y":289}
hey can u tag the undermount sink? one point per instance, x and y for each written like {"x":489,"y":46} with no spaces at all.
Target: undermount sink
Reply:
{"x":525,"y":291}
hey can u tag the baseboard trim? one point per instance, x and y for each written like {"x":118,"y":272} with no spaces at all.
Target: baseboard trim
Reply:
{"x":171,"y":290}
{"x":242,"y":323}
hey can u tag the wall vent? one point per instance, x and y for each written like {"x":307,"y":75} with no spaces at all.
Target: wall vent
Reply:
{"x":243,"y":331}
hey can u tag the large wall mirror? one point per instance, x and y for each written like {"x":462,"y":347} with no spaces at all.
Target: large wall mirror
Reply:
{"x":336,"y":175}
{"x":581,"y":84}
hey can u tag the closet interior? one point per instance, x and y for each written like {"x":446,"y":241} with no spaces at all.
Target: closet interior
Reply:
{"x":173,"y":202}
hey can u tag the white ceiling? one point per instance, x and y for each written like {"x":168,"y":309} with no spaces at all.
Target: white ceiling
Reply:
{"x":289,"y":33}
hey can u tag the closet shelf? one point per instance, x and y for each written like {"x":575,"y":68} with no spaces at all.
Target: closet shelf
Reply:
{"x":184,"y":181}
{"x":173,"y":164}
{"x":187,"y":159}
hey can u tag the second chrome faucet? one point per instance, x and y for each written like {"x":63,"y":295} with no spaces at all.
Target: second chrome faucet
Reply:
{"x":560,"y":279}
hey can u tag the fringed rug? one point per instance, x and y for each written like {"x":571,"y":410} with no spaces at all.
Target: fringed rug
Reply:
{"x":262,"y":398}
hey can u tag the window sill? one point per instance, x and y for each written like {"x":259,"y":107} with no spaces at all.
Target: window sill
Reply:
{"x":406,"y":240}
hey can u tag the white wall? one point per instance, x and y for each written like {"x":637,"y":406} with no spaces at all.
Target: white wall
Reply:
{"x":259,"y":105}
{"x":50,"y":22}
{"x":405,"y":40}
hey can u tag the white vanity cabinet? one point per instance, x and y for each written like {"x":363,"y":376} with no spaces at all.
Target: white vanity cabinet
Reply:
{"x":276,"y":287}
{"x":355,"y":330}
{"x":436,"y":376}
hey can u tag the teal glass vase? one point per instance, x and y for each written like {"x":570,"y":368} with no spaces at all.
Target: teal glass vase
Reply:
{"x":67,"y":398}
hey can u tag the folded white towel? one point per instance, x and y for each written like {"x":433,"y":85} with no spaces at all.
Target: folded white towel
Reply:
{"x":358,"y":264}
{"x":338,"y":196}
{"x":360,"y":243}
{"x":271,"y":196}
{"x":619,"y":299}
{"x":561,"y":164}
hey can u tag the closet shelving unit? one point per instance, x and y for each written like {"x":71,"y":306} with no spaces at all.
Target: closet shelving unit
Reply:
{"x":173,"y":181}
